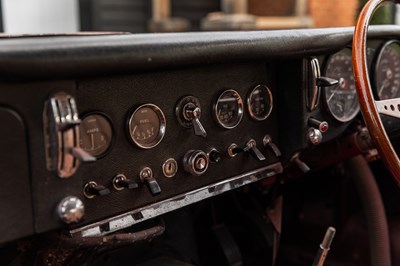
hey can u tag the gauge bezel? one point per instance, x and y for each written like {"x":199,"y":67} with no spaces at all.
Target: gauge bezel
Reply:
{"x":269,"y":93}
{"x":240,"y":104}
{"x":375,"y":65}
{"x":325,"y":103}
{"x":161,"y":129}
{"x":108,"y":119}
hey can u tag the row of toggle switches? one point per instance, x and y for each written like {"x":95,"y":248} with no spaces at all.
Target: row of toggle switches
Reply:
{"x":195,"y":162}
{"x":120,"y":182}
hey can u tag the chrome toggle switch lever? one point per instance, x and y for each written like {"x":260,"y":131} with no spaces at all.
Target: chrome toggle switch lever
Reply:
{"x":188,"y":113}
{"x":81,"y":155}
{"x":146,"y":175}
{"x":302,"y":165}
{"x":194,"y":116}
{"x":267,"y":142}
{"x":251,"y":146}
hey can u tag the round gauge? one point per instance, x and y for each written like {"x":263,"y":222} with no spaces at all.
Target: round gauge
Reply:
{"x":387,"y":71}
{"x":95,"y":134}
{"x":259,"y":103}
{"x":341,"y":100}
{"x":228,"y":109}
{"x":147,"y":126}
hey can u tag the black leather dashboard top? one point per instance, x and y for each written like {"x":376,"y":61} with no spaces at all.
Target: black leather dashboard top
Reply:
{"x":61,"y":57}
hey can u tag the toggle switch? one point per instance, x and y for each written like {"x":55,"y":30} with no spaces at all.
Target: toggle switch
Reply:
{"x":251,"y":147}
{"x":214,"y":156}
{"x":121,"y":182}
{"x":188,"y":112}
{"x":92,"y":189}
{"x":326,"y":82}
{"x":194,"y":113}
{"x":146,"y":175}
{"x":267,"y":142}
{"x":302,"y":165}
{"x":82,"y":155}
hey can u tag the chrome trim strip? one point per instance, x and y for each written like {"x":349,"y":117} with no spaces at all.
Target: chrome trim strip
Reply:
{"x":139,"y":215}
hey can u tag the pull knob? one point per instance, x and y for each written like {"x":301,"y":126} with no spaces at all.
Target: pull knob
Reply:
{"x":195,"y":162}
{"x":314,"y":136}
{"x":251,"y":146}
{"x":146,"y":175}
{"x":71,"y":210}
{"x":121,"y":182}
{"x":193,"y":113}
{"x":322,"y":126}
{"x":92,"y":189}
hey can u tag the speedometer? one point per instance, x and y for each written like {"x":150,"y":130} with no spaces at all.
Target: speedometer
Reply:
{"x":341,"y":100}
{"x":387,"y":71}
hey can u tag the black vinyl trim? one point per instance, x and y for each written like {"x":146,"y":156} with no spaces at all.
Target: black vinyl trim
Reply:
{"x":72,"y":56}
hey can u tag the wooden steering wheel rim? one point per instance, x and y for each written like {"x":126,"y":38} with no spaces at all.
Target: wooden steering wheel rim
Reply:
{"x":367,"y":103}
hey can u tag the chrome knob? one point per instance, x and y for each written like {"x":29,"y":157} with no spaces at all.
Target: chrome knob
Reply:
{"x":195,"y":162}
{"x":71,"y":210}
{"x":314,"y":136}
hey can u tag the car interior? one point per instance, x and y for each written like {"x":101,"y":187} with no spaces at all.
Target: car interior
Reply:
{"x":184,"y":136}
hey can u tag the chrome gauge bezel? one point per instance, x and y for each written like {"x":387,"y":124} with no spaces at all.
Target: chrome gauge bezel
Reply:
{"x":161,"y":129}
{"x":110,"y":124}
{"x":324,"y":92}
{"x":239,"y":113}
{"x":249,"y":104}
{"x":376,"y":62}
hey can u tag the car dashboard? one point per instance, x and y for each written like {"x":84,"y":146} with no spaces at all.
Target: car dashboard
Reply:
{"x":104,"y":131}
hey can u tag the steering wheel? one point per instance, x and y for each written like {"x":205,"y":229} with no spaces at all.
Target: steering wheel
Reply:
{"x":370,"y":108}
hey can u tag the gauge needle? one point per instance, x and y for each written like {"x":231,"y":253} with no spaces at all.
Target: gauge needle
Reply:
{"x":92,"y":140}
{"x":333,"y":94}
{"x":134,"y":129}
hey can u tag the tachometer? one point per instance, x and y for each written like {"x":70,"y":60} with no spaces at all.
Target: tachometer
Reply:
{"x":147,"y":126}
{"x":387,"y":71}
{"x":228,"y":109}
{"x":341,"y":100}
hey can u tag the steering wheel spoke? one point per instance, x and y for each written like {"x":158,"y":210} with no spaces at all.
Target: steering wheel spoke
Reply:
{"x":390,"y":107}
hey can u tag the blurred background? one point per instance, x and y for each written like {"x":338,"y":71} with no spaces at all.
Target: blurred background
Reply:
{"x":139,"y":16}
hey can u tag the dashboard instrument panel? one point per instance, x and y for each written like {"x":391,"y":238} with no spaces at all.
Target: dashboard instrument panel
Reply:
{"x":153,"y":133}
